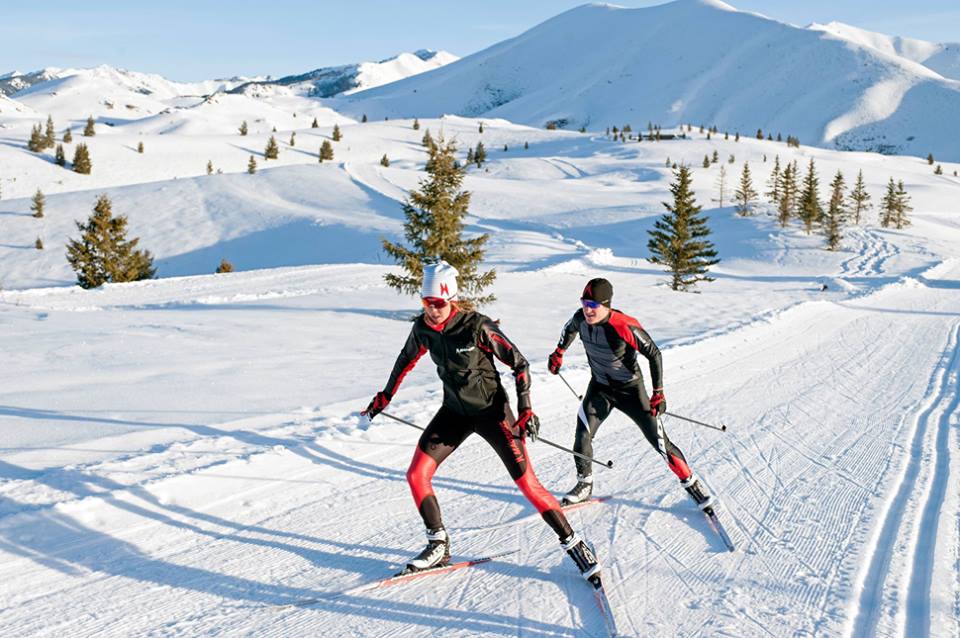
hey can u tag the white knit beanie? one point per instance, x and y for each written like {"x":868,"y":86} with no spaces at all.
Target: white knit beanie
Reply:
{"x":439,"y":280}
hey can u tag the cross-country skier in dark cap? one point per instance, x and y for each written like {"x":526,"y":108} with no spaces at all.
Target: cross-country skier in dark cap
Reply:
{"x":613,"y":342}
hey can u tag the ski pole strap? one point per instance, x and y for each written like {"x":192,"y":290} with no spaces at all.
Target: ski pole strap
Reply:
{"x":720,"y":427}
{"x":575,"y":453}
{"x":562,"y":378}
{"x":404,"y":421}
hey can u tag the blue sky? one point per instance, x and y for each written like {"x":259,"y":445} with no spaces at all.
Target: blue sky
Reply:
{"x":198,"y":39}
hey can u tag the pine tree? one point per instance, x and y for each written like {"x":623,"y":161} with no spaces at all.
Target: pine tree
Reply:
{"x":716,"y":156}
{"x":888,"y":205}
{"x":469,"y":156}
{"x":81,"y":160}
{"x":480,"y":128}
{"x":384,"y":161}
{"x":434,"y":227}
{"x":326,"y":151}
{"x":224,"y":267}
{"x":860,"y":198}
{"x":38,"y":203}
{"x":722,"y":185}
{"x":745,"y":194}
{"x":737,"y":137}
{"x":36,"y":143}
{"x":103,"y":254}
{"x":337,"y":135}
{"x":67,"y":136}
{"x":775,"y":183}
{"x":708,"y":135}
{"x":209,"y":167}
{"x":679,"y":238}
{"x":272,"y":151}
{"x":836,"y":215}
{"x":706,"y":161}
{"x":479,"y":154}
{"x":505,"y":149}
{"x":811,"y":211}
{"x":293,"y":138}
{"x":788,"y":197}
{"x":759,"y":133}
{"x":930,"y":159}
{"x":938,"y":170}
{"x":61,"y":157}
{"x":50,"y":137}
{"x":89,"y":130}
{"x":526,"y":146}
{"x":252,"y":165}
{"x":416,"y":124}
{"x":731,"y":159}
{"x":314,"y":124}
{"x":243,"y":128}
{"x":364,"y":119}
{"x":903,"y":207}
{"x":427,"y":140}
{"x":38,"y":244}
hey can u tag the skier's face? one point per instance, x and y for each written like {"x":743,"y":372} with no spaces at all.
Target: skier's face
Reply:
{"x":594,"y":312}
{"x":436,"y":310}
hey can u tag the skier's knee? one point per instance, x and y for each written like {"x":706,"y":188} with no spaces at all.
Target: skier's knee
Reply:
{"x":419,"y":475}
{"x":536,"y":493}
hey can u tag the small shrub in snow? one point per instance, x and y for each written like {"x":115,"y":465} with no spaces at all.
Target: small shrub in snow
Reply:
{"x":225,"y":266}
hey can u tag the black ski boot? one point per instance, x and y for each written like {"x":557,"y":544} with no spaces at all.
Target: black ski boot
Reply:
{"x":584,"y":557}
{"x":698,"y":493}
{"x":435,"y":554}
{"x":580,"y":492}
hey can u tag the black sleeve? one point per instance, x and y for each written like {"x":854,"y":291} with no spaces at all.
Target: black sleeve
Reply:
{"x":570,"y":331}
{"x":649,"y":349}
{"x":491,"y":339}
{"x":408,"y":357}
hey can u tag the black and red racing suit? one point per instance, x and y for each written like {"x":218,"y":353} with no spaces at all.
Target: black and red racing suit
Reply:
{"x":612,"y":346}
{"x":463,"y":349}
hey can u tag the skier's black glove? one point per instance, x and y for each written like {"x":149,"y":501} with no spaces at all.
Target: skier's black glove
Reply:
{"x":658,"y":402}
{"x":528,"y":425}
{"x":555,"y":361}
{"x":377,"y":405}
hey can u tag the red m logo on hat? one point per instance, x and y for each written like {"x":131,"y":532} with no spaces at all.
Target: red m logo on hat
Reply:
{"x":444,"y":290}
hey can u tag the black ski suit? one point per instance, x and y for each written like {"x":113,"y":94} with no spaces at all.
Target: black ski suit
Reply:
{"x":612,"y":346}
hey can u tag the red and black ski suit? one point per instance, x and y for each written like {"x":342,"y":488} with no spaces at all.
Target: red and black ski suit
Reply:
{"x":474,"y":401}
{"x":612,"y":346}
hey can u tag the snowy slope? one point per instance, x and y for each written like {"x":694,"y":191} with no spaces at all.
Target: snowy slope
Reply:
{"x":941,"y":58}
{"x":698,"y":61}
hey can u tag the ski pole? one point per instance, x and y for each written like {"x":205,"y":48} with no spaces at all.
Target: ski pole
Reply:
{"x":721,"y":427}
{"x":559,"y":447}
{"x":562,"y":378}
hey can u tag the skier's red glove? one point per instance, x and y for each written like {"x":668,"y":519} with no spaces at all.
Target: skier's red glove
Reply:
{"x":555,"y":361}
{"x":528,"y":425}
{"x":658,"y":402}
{"x":377,"y":405}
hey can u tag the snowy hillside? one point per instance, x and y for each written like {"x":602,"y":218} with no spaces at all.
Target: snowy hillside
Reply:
{"x":346,"y":79}
{"x":941,"y":58}
{"x":697,"y":61}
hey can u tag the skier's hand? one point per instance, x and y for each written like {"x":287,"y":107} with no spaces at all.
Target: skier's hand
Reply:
{"x":555,"y":361}
{"x":377,"y":405}
{"x":528,"y":425}
{"x":658,"y":402}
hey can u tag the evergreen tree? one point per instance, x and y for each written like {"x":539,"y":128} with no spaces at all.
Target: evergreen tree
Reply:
{"x":903,"y":207}
{"x":469,"y":156}
{"x":364,"y":119}
{"x":481,"y":127}
{"x":272,"y":151}
{"x":722,"y":185}
{"x":38,"y":244}
{"x":89,"y":130}
{"x":775,"y":183}
{"x":779,"y":139}
{"x":384,"y":161}
{"x":706,"y":161}
{"x":731,"y":159}
{"x":416,"y":124}
{"x":759,"y":133}
{"x":224,"y":267}
{"x":50,"y":137}
{"x":745,"y":195}
{"x":708,"y":136}
{"x":737,"y":137}
{"x":37,"y":142}
{"x":252,"y":165}
{"x":103,"y":254}
{"x":810,"y":209}
{"x":38,"y":203}
{"x":505,"y":149}
{"x":209,"y":167}
{"x":326,"y":151}
{"x":679,"y":238}
{"x":140,"y":148}
{"x":888,"y":205}
{"x":67,"y":136}
{"x":427,"y":140}
{"x":479,"y":154}
{"x":930,"y":159}
{"x":938,"y":170}
{"x":314,"y":124}
{"x":716,"y":156}
{"x":860,"y":198}
{"x":836,"y":215}
{"x":243,"y":128}
{"x":337,"y":135}
{"x":526,"y":146}
{"x":788,"y":196}
{"x":61,"y":158}
{"x":726,"y":135}
{"x":434,"y":230}
{"x":293,"y":138}
{"x":81,"y":160}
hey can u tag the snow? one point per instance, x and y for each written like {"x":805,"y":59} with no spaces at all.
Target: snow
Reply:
{"x":185,"y":455}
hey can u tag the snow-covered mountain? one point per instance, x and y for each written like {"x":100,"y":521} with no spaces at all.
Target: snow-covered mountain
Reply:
{"x":943,"y":58}
{"x":698,"y":61}
{"x":349,"y":78}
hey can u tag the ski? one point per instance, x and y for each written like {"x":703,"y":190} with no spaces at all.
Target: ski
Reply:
{"x":590,"y":501}
{"x":603,"y":603}
{"x":717,"y":527}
